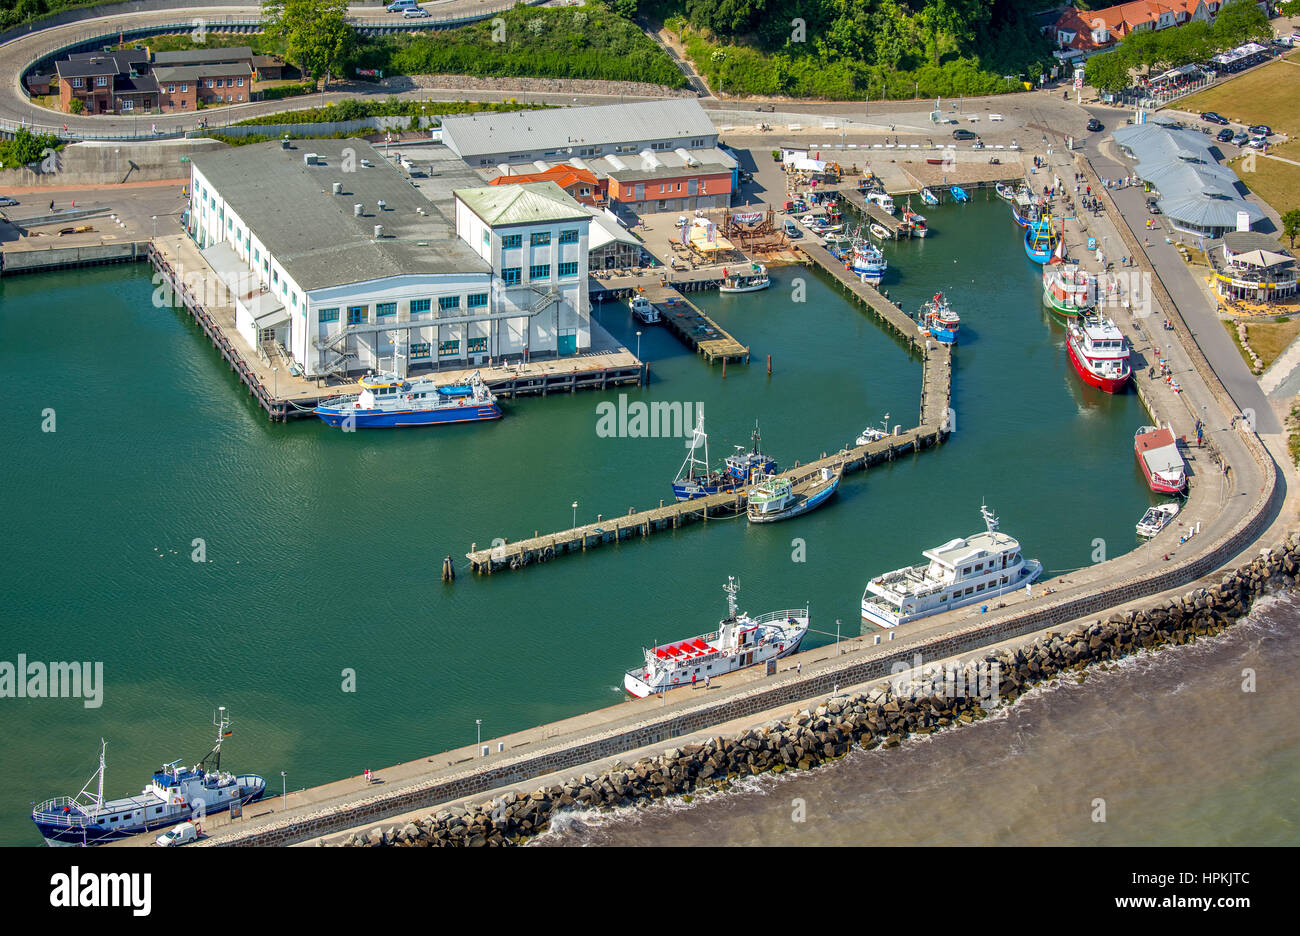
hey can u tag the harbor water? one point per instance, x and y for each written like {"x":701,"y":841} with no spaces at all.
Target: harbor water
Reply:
{"x":317,"y":615}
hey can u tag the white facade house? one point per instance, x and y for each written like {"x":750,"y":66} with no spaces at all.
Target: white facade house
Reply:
{"x":536,"y":239}
{"x":335,"y":261}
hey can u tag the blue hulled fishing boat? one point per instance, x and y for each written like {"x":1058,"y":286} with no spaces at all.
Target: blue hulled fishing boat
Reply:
{"x":387,"y":401}
{"x":739,"y":470}
{"x":1041,"y":240}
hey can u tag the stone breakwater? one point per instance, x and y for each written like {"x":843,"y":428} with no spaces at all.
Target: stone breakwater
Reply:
{"x":884,"y":716}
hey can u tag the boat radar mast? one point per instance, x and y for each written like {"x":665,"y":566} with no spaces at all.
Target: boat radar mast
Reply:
{"x":989,"y":520}
{"x":731,"y":588}
{"x":222,"y":722}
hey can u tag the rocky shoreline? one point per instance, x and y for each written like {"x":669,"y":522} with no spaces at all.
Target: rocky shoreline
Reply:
{"x":882,"y":717}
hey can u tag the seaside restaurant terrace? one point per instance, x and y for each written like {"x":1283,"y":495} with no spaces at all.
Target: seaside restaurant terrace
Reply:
{"x":1251,"y":267}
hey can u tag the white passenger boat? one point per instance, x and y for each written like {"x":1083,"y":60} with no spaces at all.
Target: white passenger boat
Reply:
{"x":881,"y":201}
{"x":747,"y":280}
{"x":739,"y":642}
{"x":960,"y":572}
{"x":1156,"y":519}
{"x":644,"y":311}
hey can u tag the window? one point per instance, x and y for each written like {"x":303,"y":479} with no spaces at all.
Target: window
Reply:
{"x":539,"y":271}
{"x":476,"y":300}
{"x":101,"y":82}
{"x":328,"y":315}
{"x":541,"y":238}
{"x":209,"y":84}
{"x":511,"y":276}
{"x":385,"y":309}
{"x":239,"y":97}
{"x":419,"y":307}
{"x":420,"y":350}
{"x":220,"y":82}
{"x":512,"y":240}
{"x":476,"y":344}
{"x":239,"y":82}
{"x":357,"y":314}
{"x":185,"y":86}
{"x":568,"y":269}
{"x":448,"y":348}
{"x":448,"y":302}
{"x":570,"y":237}
{"x":275,"y":277}
{"x":78,"y":83}
{"x":171,"y":89}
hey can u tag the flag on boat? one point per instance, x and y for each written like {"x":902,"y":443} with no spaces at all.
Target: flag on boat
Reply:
{"x":1058,"y":255}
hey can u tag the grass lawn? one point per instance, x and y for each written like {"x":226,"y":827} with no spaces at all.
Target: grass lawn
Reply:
{"x":1268,"y":339}
{"x":1265,"y":95}
{"x":1277,"y":183}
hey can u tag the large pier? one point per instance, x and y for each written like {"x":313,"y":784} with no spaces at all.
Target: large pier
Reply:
{"x":695,"y":329}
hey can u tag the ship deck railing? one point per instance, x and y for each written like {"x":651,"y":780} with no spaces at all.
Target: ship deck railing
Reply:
{"x":63,"y":810}
{"x":771,"y":616}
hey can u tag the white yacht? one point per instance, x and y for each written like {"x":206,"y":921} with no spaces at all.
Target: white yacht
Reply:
{"x":960,"y":572}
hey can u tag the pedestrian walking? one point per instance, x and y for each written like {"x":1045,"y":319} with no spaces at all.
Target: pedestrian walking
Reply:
{"x":798,"y":668}
{"x":706,"y":683}
{"x":51,"y":204}
{"x":693,"y":678}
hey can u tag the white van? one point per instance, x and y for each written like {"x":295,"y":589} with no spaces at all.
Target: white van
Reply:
{"x":401,"y":6}
{"x":178,"y":834}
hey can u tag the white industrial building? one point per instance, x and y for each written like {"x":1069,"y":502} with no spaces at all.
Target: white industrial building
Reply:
{"x":335,"y":260}
{"x":488,"y":139}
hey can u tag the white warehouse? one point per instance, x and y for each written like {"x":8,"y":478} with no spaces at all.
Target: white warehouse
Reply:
{"x":336,"y":260}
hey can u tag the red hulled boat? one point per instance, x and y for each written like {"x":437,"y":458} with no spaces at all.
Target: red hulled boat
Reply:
{"x":1159,"y":458}
{"x":1099,"y":353}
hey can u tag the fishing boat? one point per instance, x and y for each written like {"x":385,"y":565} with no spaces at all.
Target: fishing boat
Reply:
{"x":938,"y":319}
{"x":1067,"y":290}
{"x":1160,"y":461}
{"x":1005,"y":191}
{"x":879,"y":231}
{"x":175,"y":794}
{"x":868,"y":262}
{"x":872,"y":434}
{"x":696,"y":479}
{"x":960,"y":572}
{"x":1041,"y":239}
{"x":958,"y":193}
{"x":917,"y":222}
{"x":881,"y":201}
{"x":744,"y":281}
{"x":774,"y":498}
{"x":1024,"y":208}
{"x":1156,"y":519}
{"x":739,"y":643}
{"x":387,"y":401}
{"x":928,"y":197}
{"x":1099,"y":353}
{"x":644,"y":311}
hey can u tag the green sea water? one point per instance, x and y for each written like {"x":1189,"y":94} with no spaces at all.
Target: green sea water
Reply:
{"x":324,"y":548}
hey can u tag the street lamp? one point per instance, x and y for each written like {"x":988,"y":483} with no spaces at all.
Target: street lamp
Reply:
{"x":284,"y":788}
{"x":155,"y":227}
{"x":478,"y":722}
{"x":275,"y":377}
{"x":638,"y":346}
{"x":575,"y":515}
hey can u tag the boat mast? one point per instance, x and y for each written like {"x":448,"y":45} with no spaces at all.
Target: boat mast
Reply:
{"x":731,"y":588}
{"x":99,"y":796}
{"x":222,"y":722}
{"x":989,"y":520}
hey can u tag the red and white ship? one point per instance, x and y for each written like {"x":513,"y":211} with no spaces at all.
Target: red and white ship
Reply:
{"x":1161,"y":462}
{"x":1099,"y":353}
{"x":739,"y":642}
{"x":1068,"y":290}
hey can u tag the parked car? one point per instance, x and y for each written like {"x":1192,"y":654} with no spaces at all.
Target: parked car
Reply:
{"x":1152,"y":206}
{"x":1094,"y":125}
{"x":178,"y":835}
{"x":791,"y":229}
{"x":397,"y":6}
{"x":1258,"y":143}
{"x":415,"y":13}
{"x":1240,"y":138}
{"x":1262,"y":130}
{"x":7,"y":202}
{"x":1224,"y":135}
{"x":964,"y":134}
{"x":1212,"y":117}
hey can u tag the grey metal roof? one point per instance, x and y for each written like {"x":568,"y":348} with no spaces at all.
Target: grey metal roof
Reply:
{"x":313,"y":234}
{"x":204,"y":56}
{"x":1181,"y":164}
{"x":199,"y":72}
{"x":483,"y":134}
{"x":666,"y":172}
{"x":1242,"y":241}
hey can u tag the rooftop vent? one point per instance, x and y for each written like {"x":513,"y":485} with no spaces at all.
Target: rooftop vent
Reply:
{"x":379,"y":231}
{"x":357,"y":210}
{"x":367,"y":164}
{"x":383,"y":205}
{"x":337,"y":188}
{"x":309,"y":159}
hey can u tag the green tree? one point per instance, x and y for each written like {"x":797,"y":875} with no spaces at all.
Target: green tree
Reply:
{"x":1108,"y":72}
{"x":316,"y":37}
{"x":76,"y":106}
{"x":1289,"y":8}
{"x":1291,"y":225}
{"x":1238,"y":22}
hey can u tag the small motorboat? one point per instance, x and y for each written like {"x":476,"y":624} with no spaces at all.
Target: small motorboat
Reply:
{"x":872,"y":434}
{"x":928,"y":197}
{"x":1156,"y":519}
{"x":644,"y":311}
{"x":879,"y":231}
{"x":958,"y":193}
{"x":1005,"y":191}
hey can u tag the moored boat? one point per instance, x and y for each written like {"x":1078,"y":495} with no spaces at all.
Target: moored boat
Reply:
{"x":1041,"y":239}
{"x":1067,"y":290}
{"x":958,"y":193}
{"x":387,"y":401}
{"x":872,"y":434}
{"x":1024,"y":208}
{"x":695,"y":478}
{"x":739,"y":643}
{"x":1005,"y":191}
{"x":1099,"y":353}
{"x":773,"y":498}
{"x":928,"y":197}
{"x":882,"y":201}
{"x":868,"y":262}
{"x":879,"y":231}
{"x":960,"y":572}
{"x":938,"y":319}
{"x":917,"y":222}
{"x":644,"y":311}
{"x":1159,"y":458}
{"x":743,"y":281}
{"x":1156,"y":519}
{"x":175,"y":794}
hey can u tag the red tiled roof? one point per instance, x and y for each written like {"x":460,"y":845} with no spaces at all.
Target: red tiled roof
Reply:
{"x":563,"y":176}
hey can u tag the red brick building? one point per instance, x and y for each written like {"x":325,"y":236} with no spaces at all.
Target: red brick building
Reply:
{"x":581,"y":185}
